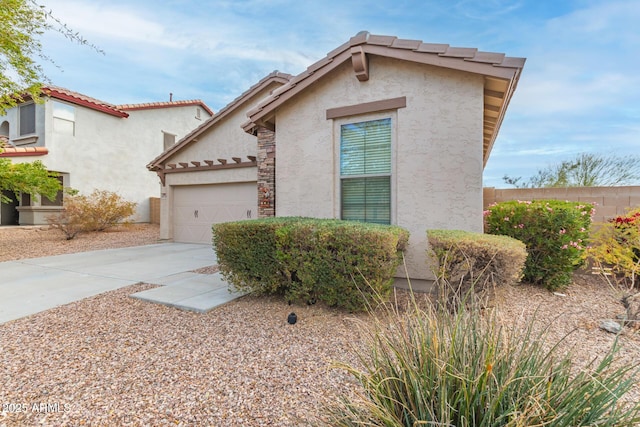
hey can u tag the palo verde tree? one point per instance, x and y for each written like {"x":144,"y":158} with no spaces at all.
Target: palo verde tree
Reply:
{"x":585,"y":170}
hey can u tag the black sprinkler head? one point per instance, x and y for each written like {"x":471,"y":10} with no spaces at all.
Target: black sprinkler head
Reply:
{"x":292,"y":318}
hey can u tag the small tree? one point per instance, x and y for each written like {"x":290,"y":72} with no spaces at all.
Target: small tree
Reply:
{"x":585,"y":170}
{"x":32,"y":178}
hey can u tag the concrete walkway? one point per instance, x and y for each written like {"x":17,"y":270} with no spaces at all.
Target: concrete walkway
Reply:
{"x":32,"y":285}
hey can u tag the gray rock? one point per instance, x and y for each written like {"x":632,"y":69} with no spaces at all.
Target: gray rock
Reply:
{"x":611,"y":326}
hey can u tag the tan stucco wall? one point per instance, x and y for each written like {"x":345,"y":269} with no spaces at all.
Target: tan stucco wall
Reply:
{"x":437,"y":165}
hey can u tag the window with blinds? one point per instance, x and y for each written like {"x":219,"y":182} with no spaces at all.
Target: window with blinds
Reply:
{"x":365,"y":171}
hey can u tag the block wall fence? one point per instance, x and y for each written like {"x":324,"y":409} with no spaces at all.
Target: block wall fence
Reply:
{"x":154,"y":210}
{"x":610,"y":201}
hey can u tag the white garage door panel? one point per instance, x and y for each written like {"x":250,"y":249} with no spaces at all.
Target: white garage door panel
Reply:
{"x":197,"y":207}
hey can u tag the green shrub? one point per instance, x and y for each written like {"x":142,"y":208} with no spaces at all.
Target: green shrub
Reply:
{"x":426,"y":367}
{"x":615,"y":248}
{"x":99,"y":211}
{"x":555,"y":233}
{"x":247,"y":255}
{"x":341,"y":263}
{"x":465,"y":260}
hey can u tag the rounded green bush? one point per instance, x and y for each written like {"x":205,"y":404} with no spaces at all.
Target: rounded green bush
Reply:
{"x":341,"y":263}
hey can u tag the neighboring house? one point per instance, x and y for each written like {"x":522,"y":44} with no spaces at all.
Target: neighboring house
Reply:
{"x":93,"y":145}
{"x":381,"y":130}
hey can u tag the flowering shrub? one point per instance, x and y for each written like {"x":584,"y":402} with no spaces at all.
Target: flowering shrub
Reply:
{"x":554,"y":232}
{"x":616,"y":248}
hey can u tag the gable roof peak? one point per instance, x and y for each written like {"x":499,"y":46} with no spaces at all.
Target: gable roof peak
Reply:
{"x":274,"y":77}
{"x":501,"y":74}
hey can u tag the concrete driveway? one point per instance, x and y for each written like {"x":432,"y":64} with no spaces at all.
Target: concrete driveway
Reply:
{"x":32,"y":285}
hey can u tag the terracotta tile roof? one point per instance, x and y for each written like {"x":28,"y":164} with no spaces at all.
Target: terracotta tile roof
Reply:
{"x":115,"y":110}
{"x":501,"y":75}
{"x":23,"y":151}
{"x":272,"y":77}
{"x":4,"y":142}
{"x":83,"y":100}
{"x":168,"y":104}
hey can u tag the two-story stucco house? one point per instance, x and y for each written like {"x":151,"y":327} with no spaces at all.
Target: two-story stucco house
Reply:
{"x":93,"y":145}
{"x":382,"y":130}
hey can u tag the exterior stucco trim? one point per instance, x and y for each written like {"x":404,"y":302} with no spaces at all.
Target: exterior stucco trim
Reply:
{"x":197,"y":166}
{"x":367,"y":107}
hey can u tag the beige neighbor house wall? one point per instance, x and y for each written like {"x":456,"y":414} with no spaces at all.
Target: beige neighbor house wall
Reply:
{"x":610,"y":201}
{"x":223,"y":140}
{"x":437,"y":148}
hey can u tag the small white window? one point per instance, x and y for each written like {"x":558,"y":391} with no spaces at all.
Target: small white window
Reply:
{"x":198,"y":114}
{"x":64,"y":118}
{"x":169,"y":139}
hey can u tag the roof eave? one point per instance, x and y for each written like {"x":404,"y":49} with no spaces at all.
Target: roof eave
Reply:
{"x":273,"y":77}
{"x":56,"y":94}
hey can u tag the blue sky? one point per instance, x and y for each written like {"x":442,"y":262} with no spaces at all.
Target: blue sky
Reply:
{"x":579,"y":92}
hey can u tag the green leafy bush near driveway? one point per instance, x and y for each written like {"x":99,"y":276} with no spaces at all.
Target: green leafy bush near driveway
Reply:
{"x":466,"y":260}
{"x":341,"y":263}
{"x":428,"y":367}
{"x":555,"y":233}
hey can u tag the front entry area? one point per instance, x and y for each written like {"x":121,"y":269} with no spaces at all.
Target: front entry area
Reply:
{"x":197,"y":207}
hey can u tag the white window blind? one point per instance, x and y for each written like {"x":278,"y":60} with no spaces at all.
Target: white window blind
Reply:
{"x":365,"y":169}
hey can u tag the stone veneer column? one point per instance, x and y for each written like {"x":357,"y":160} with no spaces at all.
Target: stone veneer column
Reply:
{"x":266,"y":173}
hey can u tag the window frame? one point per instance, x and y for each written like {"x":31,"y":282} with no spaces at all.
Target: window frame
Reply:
{"x":20,"y":107}
{"x":172,"y":136}
{"x":69,"y":108}
{"x":337,"y":131}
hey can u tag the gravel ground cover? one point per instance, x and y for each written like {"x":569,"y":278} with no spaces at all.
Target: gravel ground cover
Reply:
{"x":39,"y":241}
{"x":114,"y":360}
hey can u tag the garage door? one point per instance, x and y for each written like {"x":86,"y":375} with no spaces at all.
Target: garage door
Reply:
{"x":197,"y":207}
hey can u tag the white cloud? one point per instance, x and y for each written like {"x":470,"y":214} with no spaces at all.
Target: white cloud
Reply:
{"x":112,"y":22}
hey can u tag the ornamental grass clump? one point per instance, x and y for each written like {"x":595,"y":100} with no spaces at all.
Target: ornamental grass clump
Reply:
{"x":555,"y":233}
{"x":428,"y":367}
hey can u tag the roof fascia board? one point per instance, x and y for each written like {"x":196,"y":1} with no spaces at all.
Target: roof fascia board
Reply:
{"x":83,"y":103}
{"x":174,"y":104}
{"x":441,"y":61}
{"x":299,"y":85}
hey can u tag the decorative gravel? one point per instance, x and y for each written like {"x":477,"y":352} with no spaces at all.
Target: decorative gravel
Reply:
{"x":39,"y":241}
{"x":112,"y":360}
